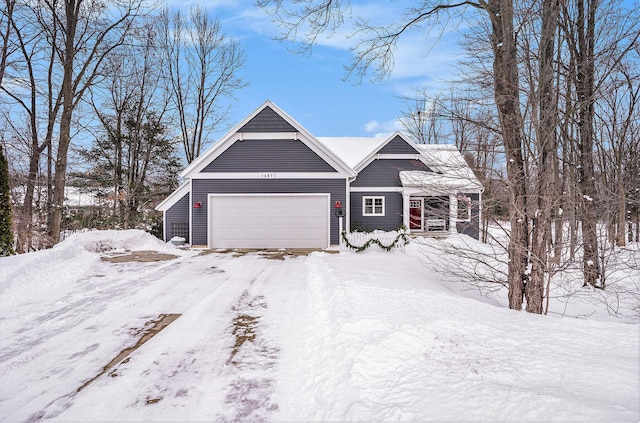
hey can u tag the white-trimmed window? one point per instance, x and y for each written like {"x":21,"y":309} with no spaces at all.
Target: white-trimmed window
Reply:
{"x":373,"y":206}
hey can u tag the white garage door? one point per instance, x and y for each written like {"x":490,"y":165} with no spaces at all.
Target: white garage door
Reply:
{"x":269,"y":220}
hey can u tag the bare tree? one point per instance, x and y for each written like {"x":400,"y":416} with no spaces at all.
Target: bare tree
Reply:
{"x":83,"y":34}
{"x":131,"y":104}
{"x":35,"y":92}
{"x":423,"y":121}
{"x":6,"y":26}
{"x":374,"y":52}
{"x":546,"y":156}
{"x":595,"y":32}
{"x":202,"y":68}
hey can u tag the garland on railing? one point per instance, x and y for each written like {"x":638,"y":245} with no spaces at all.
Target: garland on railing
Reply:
{"x":401,"y":235}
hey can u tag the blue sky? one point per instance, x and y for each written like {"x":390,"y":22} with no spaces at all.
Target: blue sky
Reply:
{"x":311,"y":87}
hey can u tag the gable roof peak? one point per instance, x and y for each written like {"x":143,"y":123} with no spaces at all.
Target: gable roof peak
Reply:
{"x":286,"y":125}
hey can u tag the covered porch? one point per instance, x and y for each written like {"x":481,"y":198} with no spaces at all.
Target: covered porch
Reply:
{"x":435,"y":205}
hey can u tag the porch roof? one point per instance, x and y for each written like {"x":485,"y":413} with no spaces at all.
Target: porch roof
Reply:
{"x":444,"y":183}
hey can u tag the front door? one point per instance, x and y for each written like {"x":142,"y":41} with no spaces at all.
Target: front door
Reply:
{"x":416,"y":211}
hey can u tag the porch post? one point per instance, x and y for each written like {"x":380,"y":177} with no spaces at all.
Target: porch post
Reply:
{"x":405,"y":211}
{"x":453,"y":213}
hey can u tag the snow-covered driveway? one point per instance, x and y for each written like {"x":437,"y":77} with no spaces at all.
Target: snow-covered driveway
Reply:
{"x":324,"y":337}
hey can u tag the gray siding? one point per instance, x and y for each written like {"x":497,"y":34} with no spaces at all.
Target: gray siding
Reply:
{"x":177,"y":219}
{"x":397,"y":146}
{"x":471,"y":228}
{"x":386,"y":172}
{"x":391,"y":220}
{"x":268,"y":156}
{"x":267,"y":121}
{"x":202,"y":187}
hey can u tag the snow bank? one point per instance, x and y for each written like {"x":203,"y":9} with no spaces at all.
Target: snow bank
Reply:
{"x":333,"y":337}
{"x":34,"y":276}
{"x":132,"y":239}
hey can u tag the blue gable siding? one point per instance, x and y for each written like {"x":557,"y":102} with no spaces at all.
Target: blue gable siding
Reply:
{"x":391,"y":220}
{"x":397,"y":146}
{"x":202,"y":187}
{"x":268,"y":156}
{"x":177,"y":219}
{"x":386,"y":172}
{"x":267,"y":121}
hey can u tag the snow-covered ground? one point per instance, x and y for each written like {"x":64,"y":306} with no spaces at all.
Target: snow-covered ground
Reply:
{"x":372,"y":336}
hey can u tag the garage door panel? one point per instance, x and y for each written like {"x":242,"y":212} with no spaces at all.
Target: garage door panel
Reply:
{"x":269,"y":221}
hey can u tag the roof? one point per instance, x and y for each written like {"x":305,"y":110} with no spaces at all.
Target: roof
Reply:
{"x":437,"y":182}
{"x":352,"y":150}
{"x":234,"y":135}
{"x":451,"y":169}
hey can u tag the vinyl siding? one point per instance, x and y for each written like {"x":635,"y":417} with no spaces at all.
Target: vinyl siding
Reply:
{"x":267,"y":121}
{"x":177,"y":219}
{"x":202,"y":187}
{"x":392,"y":219}
{"x":386,"y":172}
{"x":268,"y":156}
{"x":398,"y":146}
{"x":471,"y":228}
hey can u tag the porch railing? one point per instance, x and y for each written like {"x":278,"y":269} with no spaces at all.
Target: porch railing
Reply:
{"x":376,"y":240}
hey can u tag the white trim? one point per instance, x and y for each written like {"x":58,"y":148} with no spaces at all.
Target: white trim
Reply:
{"x":373,"y":155}
{"x":248,"y":136}
{"x":271,"y":194}
{"x":347,"y":212}
{"x":164,"y":226}
{"x":174,"y":197}
{"x":421,"y":200}
{"x":191,"y":211}
{"x":234,"y":135}
{"x":210,"y":197}
{"x":373,"y":199}
{"x":480,"y":214}
{"x":453,"y":213}
{"x":405,"y":212}
{"x":269,"y":175}
{"x":416,"y":156}
{"x":378,"y":189}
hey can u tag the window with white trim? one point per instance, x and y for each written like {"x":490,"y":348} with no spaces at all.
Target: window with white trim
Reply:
{"x":373,"y":206}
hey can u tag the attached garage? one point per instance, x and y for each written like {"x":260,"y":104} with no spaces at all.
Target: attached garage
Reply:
{"x":269,"y":220}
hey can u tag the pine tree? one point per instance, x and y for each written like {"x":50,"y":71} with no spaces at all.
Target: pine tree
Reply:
{"x":6,"y":234}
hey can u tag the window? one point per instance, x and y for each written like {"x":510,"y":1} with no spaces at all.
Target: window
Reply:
{"x":464,"y":208}
{"x":373,"y":206}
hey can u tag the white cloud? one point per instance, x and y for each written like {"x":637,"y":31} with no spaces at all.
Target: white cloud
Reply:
{"x":383,"y":129}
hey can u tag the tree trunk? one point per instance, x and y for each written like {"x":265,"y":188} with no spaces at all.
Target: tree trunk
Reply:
{"x":67,"y":90}
{"x":585,"y":87}
{"x":546,"y":148}
{"x":506,"y":92}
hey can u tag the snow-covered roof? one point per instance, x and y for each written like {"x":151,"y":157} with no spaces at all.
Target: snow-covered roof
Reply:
{"x":447,"y":161}
{"x":437,"y":182}
{"x":450,"y":170}
{"x":352,"y":150}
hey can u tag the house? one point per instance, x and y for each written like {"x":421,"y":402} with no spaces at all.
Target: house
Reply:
{"x":269,"y":183}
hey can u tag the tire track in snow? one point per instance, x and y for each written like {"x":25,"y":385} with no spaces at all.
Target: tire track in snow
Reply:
{"x":186,"y":367}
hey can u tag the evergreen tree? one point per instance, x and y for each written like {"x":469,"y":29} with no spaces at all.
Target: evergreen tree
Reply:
{"x":6,"y":234}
